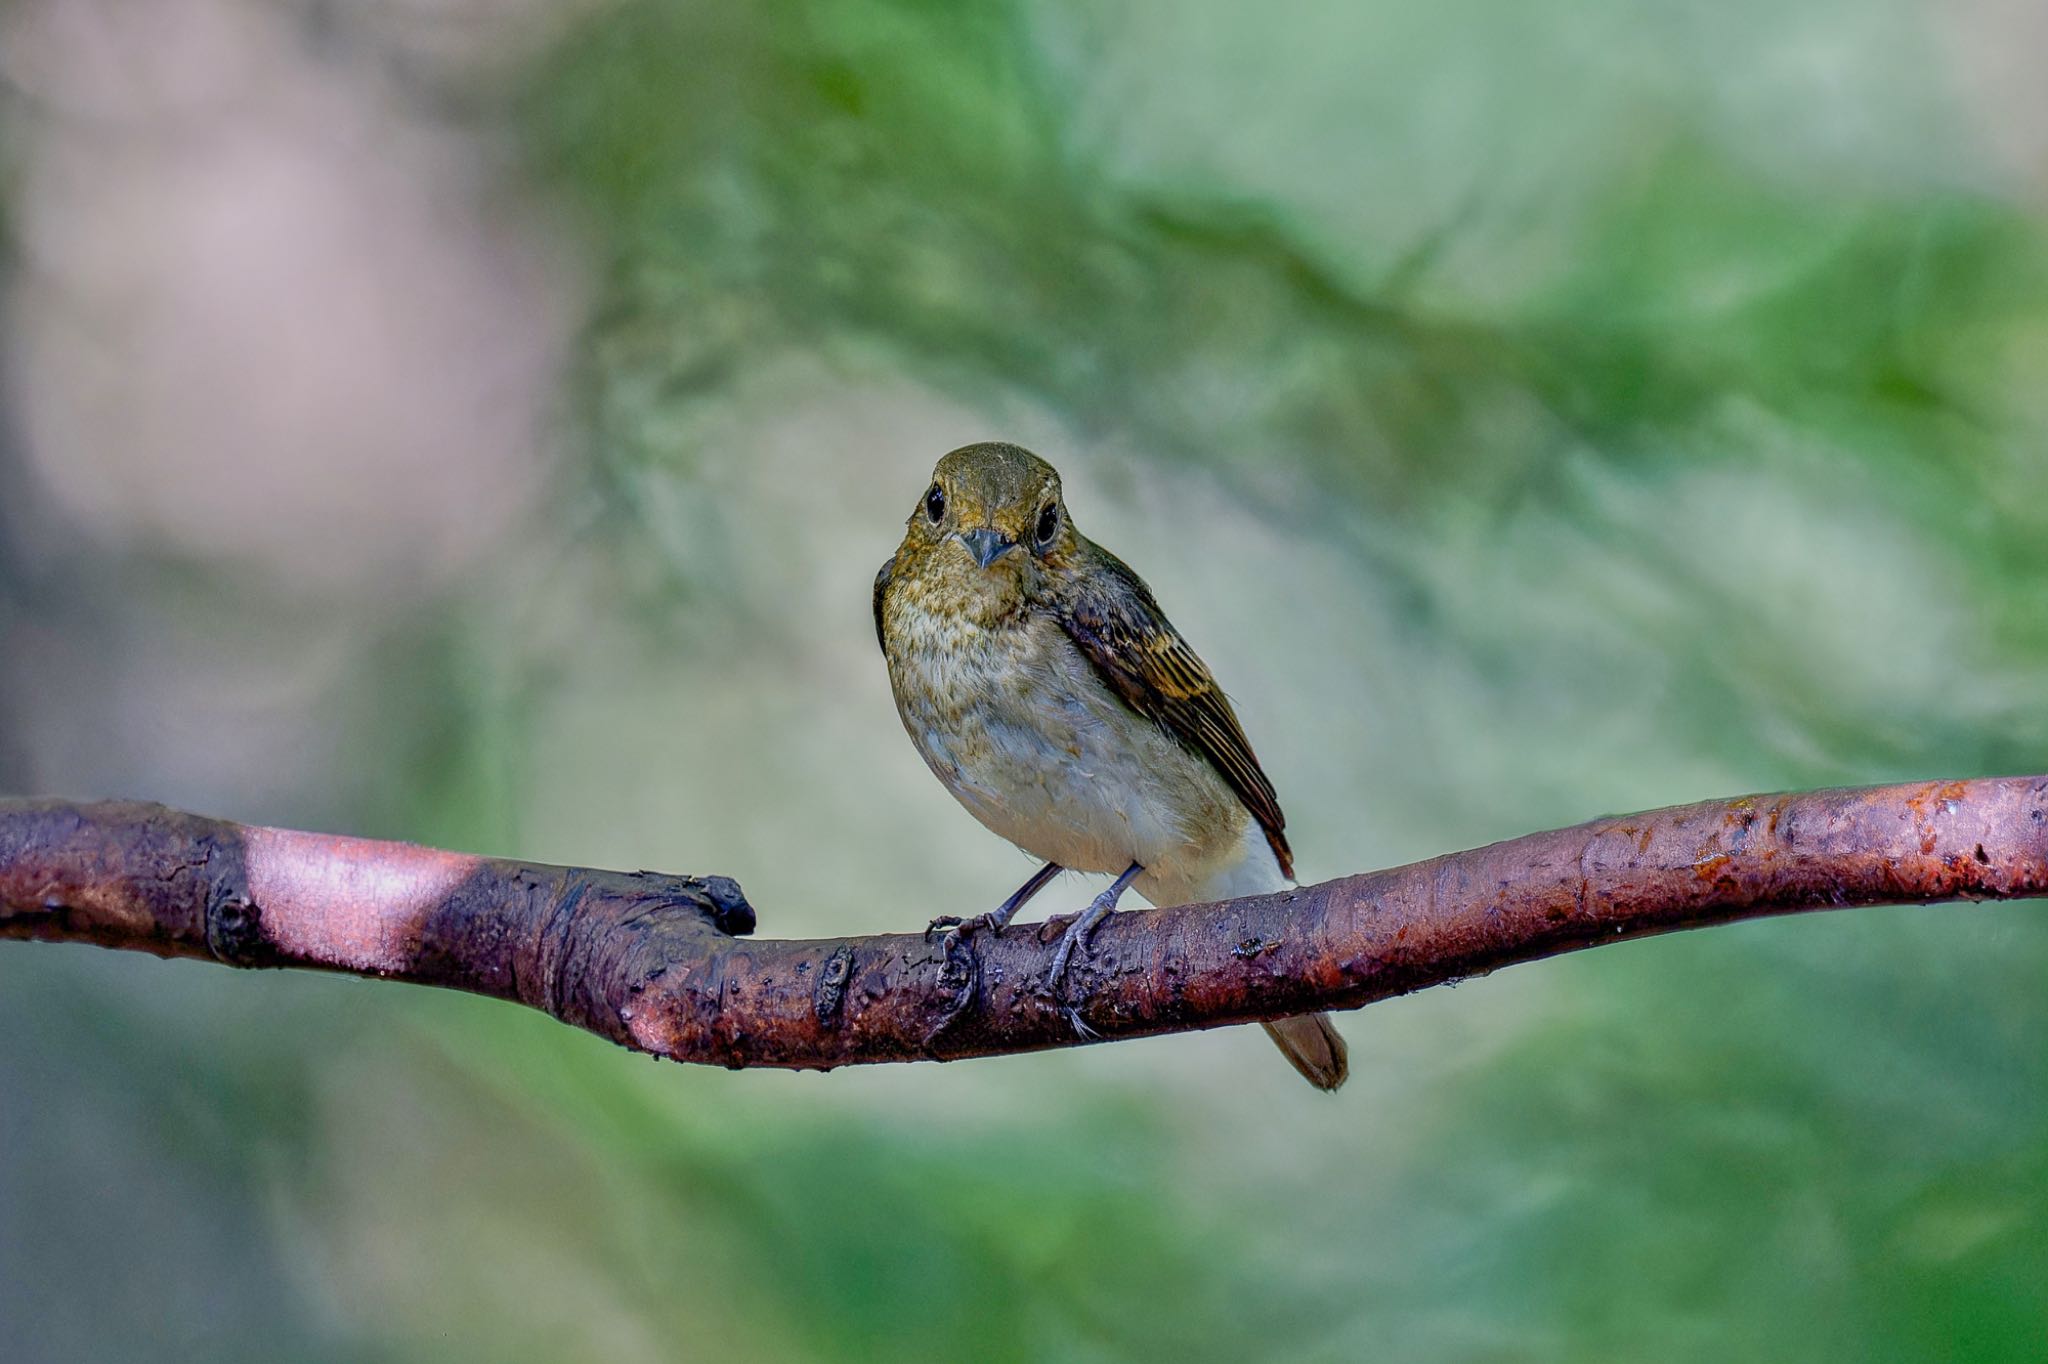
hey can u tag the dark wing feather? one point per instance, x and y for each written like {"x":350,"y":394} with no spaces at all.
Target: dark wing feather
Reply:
{"x":1110,"y":614}
{"x":881,"y":590}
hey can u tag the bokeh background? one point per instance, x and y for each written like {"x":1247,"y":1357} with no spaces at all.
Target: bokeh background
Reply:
{"x":480,"y":423}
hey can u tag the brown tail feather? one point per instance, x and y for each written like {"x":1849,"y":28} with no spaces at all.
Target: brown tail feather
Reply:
{"x":1311,"y":1043}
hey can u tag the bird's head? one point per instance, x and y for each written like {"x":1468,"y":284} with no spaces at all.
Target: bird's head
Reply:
{"x":991,"y":520}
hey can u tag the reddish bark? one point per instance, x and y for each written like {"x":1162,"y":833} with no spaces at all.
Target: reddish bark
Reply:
{"x":651,"y":962}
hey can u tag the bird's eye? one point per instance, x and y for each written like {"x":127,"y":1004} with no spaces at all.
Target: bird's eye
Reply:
{"x":1048,"y":523}
{"x":935,"y":504}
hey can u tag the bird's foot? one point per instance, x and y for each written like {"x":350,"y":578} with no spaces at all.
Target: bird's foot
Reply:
{"x":997,"y":919}
{"x":1076,"y":938}
{"x":956,"y":927}
{"x":1079,"y":931}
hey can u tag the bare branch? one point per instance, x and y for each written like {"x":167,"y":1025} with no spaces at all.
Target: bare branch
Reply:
{"x":650,"y":961}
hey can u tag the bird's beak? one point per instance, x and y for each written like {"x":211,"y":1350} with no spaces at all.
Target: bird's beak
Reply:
{"x":986,"y":544}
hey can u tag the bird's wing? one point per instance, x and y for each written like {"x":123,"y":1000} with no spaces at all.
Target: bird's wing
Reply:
{"x":1108,"y":611}
{"x":881,"y":589}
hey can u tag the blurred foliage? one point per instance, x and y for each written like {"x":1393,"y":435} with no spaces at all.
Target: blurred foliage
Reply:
{"x":879,"y":177}
{"x":1540,"y":412}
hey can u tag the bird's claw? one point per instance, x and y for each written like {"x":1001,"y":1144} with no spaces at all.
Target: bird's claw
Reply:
{"x":957,"y":928}
{"x":1079,"y":931}
{"x":1075,"y":938}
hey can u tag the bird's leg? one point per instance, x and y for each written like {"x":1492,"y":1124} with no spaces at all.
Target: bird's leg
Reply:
{"x":999,"y":917}
{"x":1079,"y":931}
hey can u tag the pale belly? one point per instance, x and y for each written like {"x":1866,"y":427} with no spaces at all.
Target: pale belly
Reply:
{"x":1025,"y":735}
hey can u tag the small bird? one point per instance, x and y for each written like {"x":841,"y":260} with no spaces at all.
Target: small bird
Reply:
{"x":1044,"y":686}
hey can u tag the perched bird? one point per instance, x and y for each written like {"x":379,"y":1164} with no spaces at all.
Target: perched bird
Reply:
{"x":1046,"y":689}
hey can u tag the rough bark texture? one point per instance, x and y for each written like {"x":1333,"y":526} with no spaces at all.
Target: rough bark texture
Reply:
{"x":652,"y":962}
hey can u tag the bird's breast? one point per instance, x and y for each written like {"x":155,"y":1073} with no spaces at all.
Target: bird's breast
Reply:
{"x":1024,"y":733}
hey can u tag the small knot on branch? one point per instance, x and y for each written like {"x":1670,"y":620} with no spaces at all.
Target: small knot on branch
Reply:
{"x":724,"y":904}
{"x":234,"y":929}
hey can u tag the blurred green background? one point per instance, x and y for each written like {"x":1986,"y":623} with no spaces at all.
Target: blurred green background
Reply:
{"x":480,"y":424}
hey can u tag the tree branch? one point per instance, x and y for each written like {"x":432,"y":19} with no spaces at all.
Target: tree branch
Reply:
{"x":650,"y":961}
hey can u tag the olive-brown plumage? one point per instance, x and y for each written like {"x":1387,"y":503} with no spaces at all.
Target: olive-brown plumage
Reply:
{"x":1108,"y":611}
{"x":1042,"y":684}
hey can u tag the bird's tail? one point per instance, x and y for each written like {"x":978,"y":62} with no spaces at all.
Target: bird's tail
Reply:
{"x":1310,"y":1042}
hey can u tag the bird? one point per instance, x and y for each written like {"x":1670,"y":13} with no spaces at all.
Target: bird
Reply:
{"x":1044,"y":687}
